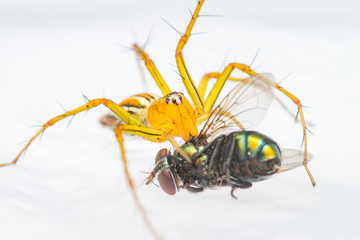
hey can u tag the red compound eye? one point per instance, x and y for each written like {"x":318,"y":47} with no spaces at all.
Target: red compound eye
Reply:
{"x":165,"y":180}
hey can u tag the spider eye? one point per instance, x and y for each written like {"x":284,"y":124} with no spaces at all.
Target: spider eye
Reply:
{"x":165,"y":180}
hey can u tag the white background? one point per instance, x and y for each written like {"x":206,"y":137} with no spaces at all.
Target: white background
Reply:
{"x":71,"y":185}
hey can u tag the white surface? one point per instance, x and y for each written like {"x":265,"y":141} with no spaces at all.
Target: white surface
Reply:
{"x":71,"y":185}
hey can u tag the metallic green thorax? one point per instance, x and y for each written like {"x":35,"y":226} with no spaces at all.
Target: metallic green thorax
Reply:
{"x":190,"y":149}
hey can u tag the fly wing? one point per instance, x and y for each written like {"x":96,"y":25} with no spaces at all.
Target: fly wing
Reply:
{"x":246,"y":104}
{"x":292,"y":158}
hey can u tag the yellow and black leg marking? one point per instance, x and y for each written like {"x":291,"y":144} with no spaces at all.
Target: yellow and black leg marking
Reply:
{"x":152,"y":70}
{"x":205,"y":79}
{"x":137,"y":105}
{"x":184,"y":73}
{"x":91,"y":104}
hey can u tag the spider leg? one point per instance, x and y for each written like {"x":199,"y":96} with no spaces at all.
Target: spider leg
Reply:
{"x":301,"y":113}
{"x":153,"y":70}
{"x":188,"y":82}
{"x":134,"y":124}
{"x":222,"y":77}
{"x":119,"y":136}
{"x":152,"y":135}
{"x":142,"y":72}
{"x":204,"y":81}
{"x":225,"y":74}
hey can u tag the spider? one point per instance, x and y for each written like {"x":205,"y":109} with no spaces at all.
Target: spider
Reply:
{"x":161,"y":119}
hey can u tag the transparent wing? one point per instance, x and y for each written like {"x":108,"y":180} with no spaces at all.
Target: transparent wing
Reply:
{"x":292,"y":158}
{"x":246,"y":104}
